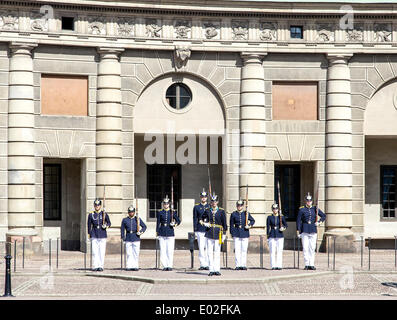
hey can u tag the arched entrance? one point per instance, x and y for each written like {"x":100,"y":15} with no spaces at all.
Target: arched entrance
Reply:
{"x":179,"y":129}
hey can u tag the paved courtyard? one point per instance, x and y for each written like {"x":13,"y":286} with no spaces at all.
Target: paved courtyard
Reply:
{"x":71,"y":278}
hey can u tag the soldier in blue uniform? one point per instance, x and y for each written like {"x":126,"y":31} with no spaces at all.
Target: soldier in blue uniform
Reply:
{"x":97,"y":223}
{"x":200,"y":230}
{"x":166,"y":222}
{"x":132,"y":237}
{"x":240,"y":233}
{"x":306,"y":225}
{"x":275,"y":237}
{"x":215,"y":234}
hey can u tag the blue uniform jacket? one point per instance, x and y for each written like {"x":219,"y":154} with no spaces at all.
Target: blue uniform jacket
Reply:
{"x":94,"y":224}
{"x":273,"y":226}
{"x":305,"y":222}
{"x":215,"y":217}
{"x":237,"y":224}
{"x":129,"y":229}
{"x":198,"y":211}
{"x":163,"y":227}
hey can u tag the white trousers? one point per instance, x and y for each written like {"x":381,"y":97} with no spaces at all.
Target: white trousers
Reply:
{"x":98,"y":246}
{"x":132,"y":250}
{"x":214,"y":255}
{"x":202,"y":244}
{"x":167,"y":245}
{"x":240,"y":251}
{"x":276,"y":246}
{"x":309,"y":247}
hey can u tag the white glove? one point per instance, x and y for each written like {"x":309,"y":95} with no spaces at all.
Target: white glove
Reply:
{"x":223,"y":238}
{"x":172,"y":224}
{"x":283,"y":229}
{"x":207,"y":224}
{"x":139,"y":233}
{"x":317,"y":223}
{"x":104,"y":209}
{"x":247,"y":227}
{"x":298,"y":234}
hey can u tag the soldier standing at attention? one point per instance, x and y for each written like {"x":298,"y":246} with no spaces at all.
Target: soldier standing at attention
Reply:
{"x":215,"y":234}
{"x":199,"y":230}
{"x":275,"y":237}
{"x":131,"y":235}
{"x":98,"y":222}
{"x":166,"y":222}
{"x":240,"y":233}
{"x":306,"y":225}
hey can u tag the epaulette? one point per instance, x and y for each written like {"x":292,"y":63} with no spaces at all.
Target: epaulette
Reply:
{"x":221,"y":208}
{"x":301,"y":207}
{"x":197,"y":204}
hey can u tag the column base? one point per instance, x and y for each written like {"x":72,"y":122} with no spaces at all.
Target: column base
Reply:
{"x":344,"y":241}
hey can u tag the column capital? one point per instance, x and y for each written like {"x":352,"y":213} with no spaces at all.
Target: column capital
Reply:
{"x":22,"y":47}
{"x":253,"y":57}
{"x":339,"y":57}
{"x":109,"y":52}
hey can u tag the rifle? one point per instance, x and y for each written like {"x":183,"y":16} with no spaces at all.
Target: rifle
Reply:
{"x":136,"y":210}
{"x":172,"y":199}
{"x":103,"y":209}
{"x":279,"y":203}
{"x":209,"y":182}
{"x":316,"y":203}
{"x":246,"y":206}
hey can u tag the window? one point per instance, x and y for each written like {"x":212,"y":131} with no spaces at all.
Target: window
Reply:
{"x":294,"y":100}
{"x":67,"y":23}
{"x":289,"y":177}
{"x":52,"y":191}
{"x":388,"y":191}
{"x":296,"y":32}
{"x":159,"y":185}
{"x":178,"y":96}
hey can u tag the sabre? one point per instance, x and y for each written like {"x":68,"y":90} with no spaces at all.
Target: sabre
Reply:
{"x":103,"y":210}
{"x":246,"y":206}
{"x":136,"y":209}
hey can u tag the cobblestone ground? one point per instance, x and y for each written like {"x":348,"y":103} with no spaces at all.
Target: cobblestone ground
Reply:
{"x":70,"y":280}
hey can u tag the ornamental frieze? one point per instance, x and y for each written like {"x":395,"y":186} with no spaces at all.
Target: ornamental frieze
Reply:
{"x":240,"y":30}
{"x":9,"y":21}
{"x":153,"y":28}
{"x":382,"y":32}
{"x":97,"y":26}
{"x":211,"y":30}
{"x":356,"y":34}
{"x":325,"y":33}
{"x":182,"y":29}
{"x":125,"y":27}
{"x":268,"y":31}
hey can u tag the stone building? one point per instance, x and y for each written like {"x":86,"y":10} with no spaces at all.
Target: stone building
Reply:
{"x":130,"y":95}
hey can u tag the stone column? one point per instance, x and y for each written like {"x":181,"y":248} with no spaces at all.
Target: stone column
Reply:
{"x":252,"y":142}
{"x":21,"y":154}
{"x":109,"y":131}
{"x":338,"y":166}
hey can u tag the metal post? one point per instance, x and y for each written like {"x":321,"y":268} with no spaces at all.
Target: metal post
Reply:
{"x":362,"y":247}
{"x":57,"y":251}
{"x":121,"y":254}
{"x":49,"y":252}
{"x":23,"y":253}
{"x":369,"y":253}
{"x":334,"y":252}
{"x":261,"y":251}
{"x":328,"y":249}
{"x":85,"y":257}
{"x":226,"y":250}
{"x":395,"y":251}
{"x":90,"y":254}
{"x":125,"y":255}
{"x":7,"y":287}
{"x":190,"y":236}
{"x":298,"y":251}
{"x":294,"y":251}
{"x":15,"y":255}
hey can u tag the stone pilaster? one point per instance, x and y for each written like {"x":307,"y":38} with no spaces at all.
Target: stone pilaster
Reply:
{"x":109,"y":130}
{"x":21,"y":153}
{"x":252,"y":128}
{"x":338,"y":147}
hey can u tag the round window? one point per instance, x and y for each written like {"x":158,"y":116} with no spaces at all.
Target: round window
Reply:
{"x":178,"y":96}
